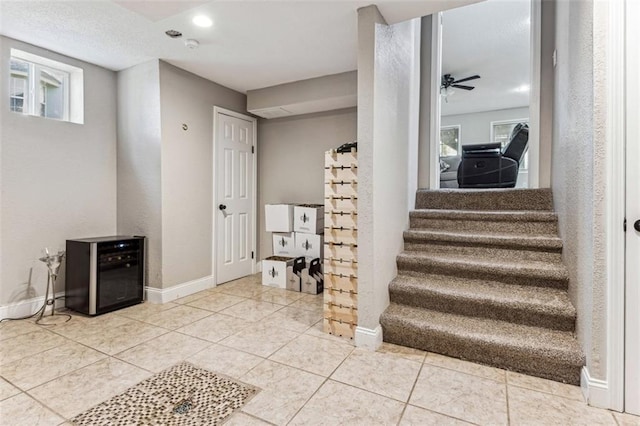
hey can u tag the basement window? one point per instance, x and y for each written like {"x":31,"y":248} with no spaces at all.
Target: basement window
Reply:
{"x":45,"y":88}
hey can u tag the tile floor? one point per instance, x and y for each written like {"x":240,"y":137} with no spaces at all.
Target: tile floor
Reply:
{"x":272,"y":339}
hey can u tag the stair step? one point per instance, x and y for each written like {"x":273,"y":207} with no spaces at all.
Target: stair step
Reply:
{"x":485,"y":199}
{"x":534,"y":306}
{"x":505,"y":270}
{"x":496,"y":245}
{"x":550,"y":354}
{"x":503,"y":221}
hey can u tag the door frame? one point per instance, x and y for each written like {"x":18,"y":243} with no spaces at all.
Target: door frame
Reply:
{"x":610,"y":393}
{"x":534,"y":97}
{"x":254,"y":202}
{"x":632,"y":129}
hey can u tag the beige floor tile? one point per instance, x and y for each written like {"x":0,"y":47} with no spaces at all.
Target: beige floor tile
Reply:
{"x":215,"y":327}
{"x":283,"y":391}
{"x":385,"y":374}
{"x":317,"y":330}
{"x":80,"y":390}
{"x":144,"y":310}
{"x":402,"y":351}
{"x":28,"y":344}
{"x":243,"y":289}
{"x":242,"y":419}
{"x":163,"y":352}
{"x":176,"y":317}
{"x":310,"y":302}
{"x":224,"y":360}
{"x":543,"y":385}
{"x":339,"y":404}
{"x":463,"y":396}
{"x":624,"y":419}
{"x":313,"y":354}
{"x":294,"y":319}
{"x":192,"y":297}
{"x":260,"y":340}
{"x":415,"y":416}
{"x":279,"y":296}
{"x":9,"y":329}
{"x":7,"y":389}
{"x":23,"y":410}
{"x":527,"y":407}
{"x":81,"y":326}
{"x":252,"y":310}
{"x":466,"y":367}
{"x":217,"y":302}
{"x":112,"y":340}
{"x":35,"y":370}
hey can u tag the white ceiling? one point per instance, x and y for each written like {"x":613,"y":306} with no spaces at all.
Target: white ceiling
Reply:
{"x":252,"y":44}
{"x":490,"y":39}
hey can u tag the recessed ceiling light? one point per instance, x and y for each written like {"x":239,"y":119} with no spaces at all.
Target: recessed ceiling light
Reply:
{"x":522,"y":89}
{"x":202,"y":21}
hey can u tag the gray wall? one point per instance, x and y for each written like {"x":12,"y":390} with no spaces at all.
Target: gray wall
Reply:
{"x":424,"y":146}
{"x":386,"y":57}
{"x":165,"y":174}
{"x":58,"y":178}
{"x":578,"y":179}
{"x":476,"y":128}
{"x":139,"y":155}
{"x":295,"y":146}
{"x":187,"y":170}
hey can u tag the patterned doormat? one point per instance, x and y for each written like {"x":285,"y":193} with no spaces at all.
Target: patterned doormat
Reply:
{"x":183,"y":395}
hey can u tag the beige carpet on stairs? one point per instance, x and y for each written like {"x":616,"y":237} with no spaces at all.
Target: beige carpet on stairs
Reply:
{"x":482,"y":279}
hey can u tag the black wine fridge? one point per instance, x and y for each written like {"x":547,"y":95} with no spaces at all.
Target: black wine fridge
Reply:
{"x":104,"y":273}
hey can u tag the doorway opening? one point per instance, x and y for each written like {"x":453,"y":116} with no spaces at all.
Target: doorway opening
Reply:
{"x":484,"y":85}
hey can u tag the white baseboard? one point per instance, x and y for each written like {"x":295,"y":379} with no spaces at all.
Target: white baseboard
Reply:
{"x":164,"y":295}
{"x":368,"y":338}
{"x":595,"y":391}
{"x":258,"y":268}
{"x":27,"y":307}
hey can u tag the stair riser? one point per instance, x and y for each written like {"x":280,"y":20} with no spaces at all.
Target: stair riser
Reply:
{"x":520,"y":314}
{"x":412,"y":268}
{"x":527,"y":361}
{"x":505,"y":227}
{"x":484,"y":251}
{"x":515,"y":199}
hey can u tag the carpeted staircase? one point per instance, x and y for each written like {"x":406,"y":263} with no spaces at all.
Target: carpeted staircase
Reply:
{"x":482,"y":279}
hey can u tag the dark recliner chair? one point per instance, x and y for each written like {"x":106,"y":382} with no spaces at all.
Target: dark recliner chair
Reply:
{"x":487,"y":166}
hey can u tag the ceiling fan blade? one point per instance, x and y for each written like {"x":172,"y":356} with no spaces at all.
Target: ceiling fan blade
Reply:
{"x":460,"y":86}
{"x":473,"y":77}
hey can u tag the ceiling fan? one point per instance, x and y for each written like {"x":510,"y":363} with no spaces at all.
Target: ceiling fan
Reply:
{"x":449,"y":81}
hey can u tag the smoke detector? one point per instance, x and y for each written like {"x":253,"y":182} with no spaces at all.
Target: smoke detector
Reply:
{"x":191,"y":43}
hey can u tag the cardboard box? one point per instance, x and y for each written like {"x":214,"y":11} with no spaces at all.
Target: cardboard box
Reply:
{"x":284,"y":244}
{"x":308,"y":218}
{"x":274,"y":271}
{"x":295,"y":279}
{"x":309,"y":245}
{"x":278,"y":217}
{"x":312,"y":279}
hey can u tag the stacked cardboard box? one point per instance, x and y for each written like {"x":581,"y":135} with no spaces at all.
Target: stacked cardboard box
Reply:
{"x":297,"y":233}
{"x":341,"y":243}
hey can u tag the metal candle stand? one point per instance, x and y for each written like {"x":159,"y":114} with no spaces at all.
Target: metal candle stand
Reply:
{"x":53,"y":262}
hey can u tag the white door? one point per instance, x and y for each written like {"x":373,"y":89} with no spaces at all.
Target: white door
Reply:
{"x":632,"y":293}
{"x":234,"y":200}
